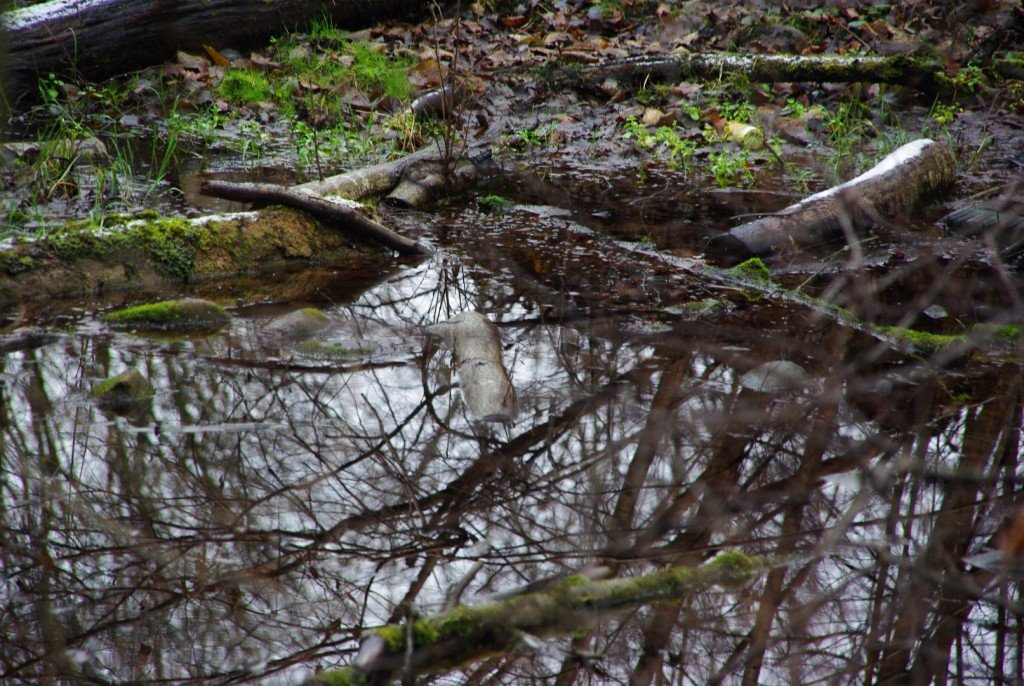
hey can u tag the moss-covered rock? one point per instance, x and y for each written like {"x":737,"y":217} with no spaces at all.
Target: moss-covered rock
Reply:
{"x":124,"y":391}
{"x":187,"y":314}
{"x":753,"y":270}
{"x":299,"y":324}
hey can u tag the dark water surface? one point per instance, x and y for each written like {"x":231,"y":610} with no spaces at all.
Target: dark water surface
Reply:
{"x":271,"y":504}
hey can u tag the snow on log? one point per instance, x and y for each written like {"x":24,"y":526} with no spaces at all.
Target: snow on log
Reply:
{"x":476,"y":352}
{"x":100,"y":38}
{"x":889,"y":190}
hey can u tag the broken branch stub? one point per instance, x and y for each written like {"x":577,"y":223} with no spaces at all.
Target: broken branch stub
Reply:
{"x":887,"y":191}
{"x":476,"y":352}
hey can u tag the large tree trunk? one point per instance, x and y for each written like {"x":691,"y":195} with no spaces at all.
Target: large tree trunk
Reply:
{"x":100,"y":38}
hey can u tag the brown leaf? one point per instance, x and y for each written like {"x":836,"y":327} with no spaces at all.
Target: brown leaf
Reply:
{"x":218,"y":59}
{"x":513,"y":22}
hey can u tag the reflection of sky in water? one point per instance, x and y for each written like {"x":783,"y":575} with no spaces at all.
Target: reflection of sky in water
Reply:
{"x":247,"y":518}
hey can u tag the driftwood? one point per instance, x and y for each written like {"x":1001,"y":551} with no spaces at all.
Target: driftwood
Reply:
{"x":892,"y":188}
{"x":467,"y":633}
{"x":373,"y":180}
{"x":897,"y":69}
{"x":348,"y":218}
{"x":476,"y":352}
{"x":100,"y":38}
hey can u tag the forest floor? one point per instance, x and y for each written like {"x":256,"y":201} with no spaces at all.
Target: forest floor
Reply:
{"x":312,"y":103}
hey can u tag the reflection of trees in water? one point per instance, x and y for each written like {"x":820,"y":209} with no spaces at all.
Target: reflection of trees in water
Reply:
{"x":266,"y":514}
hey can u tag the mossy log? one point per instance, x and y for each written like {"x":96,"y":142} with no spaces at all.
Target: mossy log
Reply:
{"x":146,"y":250}
{"x":469,"y":633}
{"x":346,"y":217}
{"x":889,"y":190}
{"x":902,"y":70}
{"x":100,"y":38}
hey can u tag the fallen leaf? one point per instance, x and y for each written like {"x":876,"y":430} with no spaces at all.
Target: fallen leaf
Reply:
{"x":218,"y":59}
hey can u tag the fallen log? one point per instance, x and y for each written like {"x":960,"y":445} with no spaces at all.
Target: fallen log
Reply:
{"x":424,"y":183}
{"x":101,"y":38}
{"x":148,"y":250}
{"x":466,"y":633}
{"x":348,"y":218}
{"x":367,"y":181}
{"x":903,"y":70}
{"x":889,"y":190}
{"x":476,"y":352}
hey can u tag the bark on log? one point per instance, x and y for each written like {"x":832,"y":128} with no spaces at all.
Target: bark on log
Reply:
{"x":366,"y":181}
{"x":100,"y":38}
{"x":476,"y":351}
{"x":349,"y":219}
{"x":898,"y":69}
{"x":468,"y":633}
{"x":425,"y":183}
{"x":891,"y":189}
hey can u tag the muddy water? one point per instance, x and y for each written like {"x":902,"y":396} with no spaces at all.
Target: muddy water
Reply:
{"x":270,"y":503}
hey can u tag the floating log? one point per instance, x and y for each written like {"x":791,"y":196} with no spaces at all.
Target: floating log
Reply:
{"x":476,"y":352}
{"x":889,"y":190}
{"x":903,"y":70}
{"x":100,"y":38}
{"x":467,"y":633}
{"x":347,"y":217}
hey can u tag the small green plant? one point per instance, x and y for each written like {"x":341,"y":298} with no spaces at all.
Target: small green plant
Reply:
{"x":742,"y":111}
{"x":943,"y":114}
{"x":731,"y":168}
{"x":969,"y":78}
{"x":676,"y":149}
{"x":528,"y":138}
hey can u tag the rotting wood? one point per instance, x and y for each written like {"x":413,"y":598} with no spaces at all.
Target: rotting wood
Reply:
{"x":467,"y":633}
{"x":902,"y":70}
{"x":891,"y":189}
{"x":100,"y":38}
{"x":348,"y":218}
{"x":476,"y":352}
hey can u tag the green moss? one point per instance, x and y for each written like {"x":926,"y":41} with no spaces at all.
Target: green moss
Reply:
{"x":243,"y":87}
{"x":923,"y":341}
{"x":349,"y":676}
{"x":752,"y":270}
{"x":184,"y":314}
{"x":996,"y":335}
{"x":172,"y":242}
{"x":495,"y":204}
{"x":12,"y":263}
{"x":128,"y":386}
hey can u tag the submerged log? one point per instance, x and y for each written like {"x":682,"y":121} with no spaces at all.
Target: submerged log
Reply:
{"x":476,"y":352}
{"x":902,"y":70}
{"x":468,"y":633}
{"x":891,"y":189}
{"x":348,"y":218}
{"x":100,"y":38}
